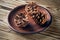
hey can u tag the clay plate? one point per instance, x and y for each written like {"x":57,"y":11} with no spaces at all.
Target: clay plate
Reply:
{"x":30,"y":25}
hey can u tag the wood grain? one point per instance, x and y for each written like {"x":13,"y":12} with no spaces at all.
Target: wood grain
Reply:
{"x":51,"y":33}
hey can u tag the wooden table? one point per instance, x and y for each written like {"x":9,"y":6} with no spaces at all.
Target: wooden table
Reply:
{"x":51,"y":33}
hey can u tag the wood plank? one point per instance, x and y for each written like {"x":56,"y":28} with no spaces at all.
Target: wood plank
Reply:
{"x":16,"y":36}
{"x":15,"y":2}
{"x":1,"y":38}
{"x":11,"y":3}
{"x":10,"y":36}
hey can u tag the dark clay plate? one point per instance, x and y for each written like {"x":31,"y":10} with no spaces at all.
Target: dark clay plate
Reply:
{"x":29,"y":28}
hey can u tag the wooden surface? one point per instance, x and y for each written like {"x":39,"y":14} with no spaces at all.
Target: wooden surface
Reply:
{"x":51,"y":33}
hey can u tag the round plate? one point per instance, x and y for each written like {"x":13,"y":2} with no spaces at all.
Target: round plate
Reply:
{"x":29,"y":26}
